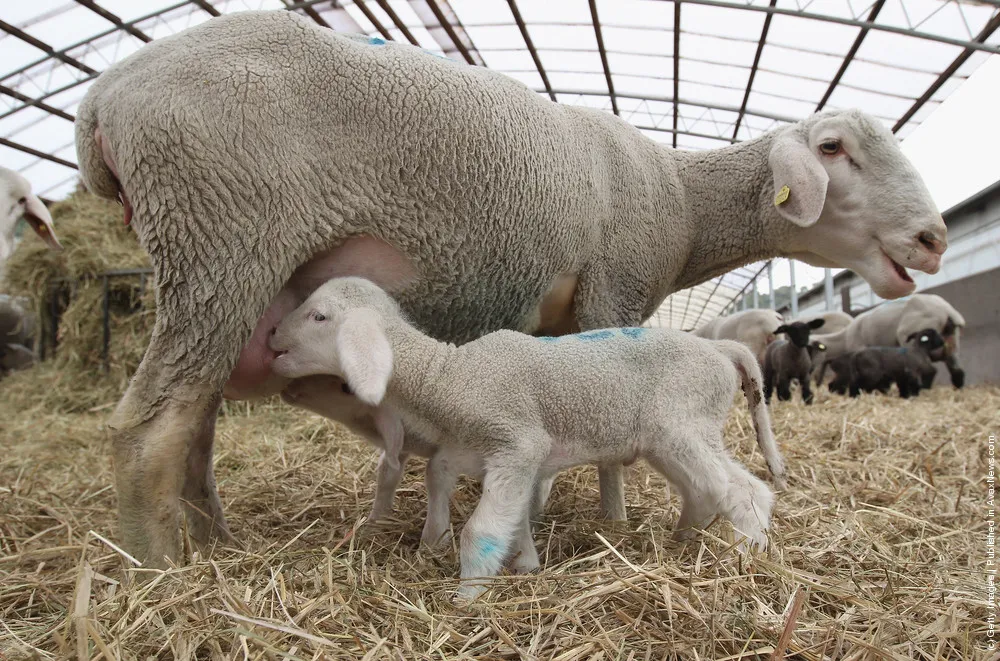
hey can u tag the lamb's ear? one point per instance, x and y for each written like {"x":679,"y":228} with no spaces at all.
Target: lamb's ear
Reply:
{"x":816,"y":323}
{"x":799,"y":179}
{"x":780,"y":329}
{"x":365,"y":355}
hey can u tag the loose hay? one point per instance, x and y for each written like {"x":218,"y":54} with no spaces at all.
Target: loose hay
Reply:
{"x":877,"y":553}
{"x":95,"y":241}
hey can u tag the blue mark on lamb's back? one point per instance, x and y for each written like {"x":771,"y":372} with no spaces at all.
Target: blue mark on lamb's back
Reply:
{"x":597,"y":335}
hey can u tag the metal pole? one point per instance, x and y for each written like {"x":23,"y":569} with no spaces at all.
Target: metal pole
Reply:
{"x":106,"y":339}
{"x":770,"y":283}
{"x":828,"y":287}
{"x":756,"y":295}
{"x":795,"y":294}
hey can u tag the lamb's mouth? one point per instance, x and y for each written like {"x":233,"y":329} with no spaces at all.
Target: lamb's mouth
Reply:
{"x":900,"y":271}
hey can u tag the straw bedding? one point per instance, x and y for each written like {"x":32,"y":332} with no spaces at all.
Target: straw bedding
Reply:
{"x":877,"y":551}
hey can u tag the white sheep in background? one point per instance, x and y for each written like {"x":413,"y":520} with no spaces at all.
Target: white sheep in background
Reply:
{"x":296,"y":154}
{"x":754,"y":328}
{"x":528,"y":407}
{"x":833,"y":321}
{"x":17,"y":202}
{"x":893,"y":323}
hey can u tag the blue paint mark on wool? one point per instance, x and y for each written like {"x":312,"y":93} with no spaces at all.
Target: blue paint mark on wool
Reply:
{"x":376,"y":41}
{"x":634,"y":333}
{"x":487,"y":547}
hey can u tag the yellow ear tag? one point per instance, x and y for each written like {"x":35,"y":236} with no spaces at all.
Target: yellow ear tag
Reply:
{"x":782,"y":195}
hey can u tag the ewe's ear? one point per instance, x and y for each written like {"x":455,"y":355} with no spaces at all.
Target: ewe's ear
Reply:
{"x":816,"y":323}
{"x":799,"y":179}
{"x":365,"y":355}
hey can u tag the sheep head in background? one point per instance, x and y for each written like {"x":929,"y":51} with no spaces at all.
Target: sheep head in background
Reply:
{"x":841,"y":178}
{"x":489,"y":208}
{"x":17,"y":202}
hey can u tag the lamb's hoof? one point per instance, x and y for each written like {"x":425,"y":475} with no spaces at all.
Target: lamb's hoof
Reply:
{"x":521,"y":565}
{"x":780,"y":483}
{"x":684,"y":535}
{"x":467,"y":593}
{"x":958,"y":378}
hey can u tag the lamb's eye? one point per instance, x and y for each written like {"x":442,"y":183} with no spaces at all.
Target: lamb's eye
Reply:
{"x":319,"y":316}
{"x":23,"y":201}
{"x":830,"y":147}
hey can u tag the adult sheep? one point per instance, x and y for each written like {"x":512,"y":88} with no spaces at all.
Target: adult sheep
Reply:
{"x":833,"y":320}
{"x":754,"y":328}
{"x":890,"y":324}
{"x":261,"y":155}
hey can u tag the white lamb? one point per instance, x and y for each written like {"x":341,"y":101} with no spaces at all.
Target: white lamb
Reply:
{"x":528,"y":407}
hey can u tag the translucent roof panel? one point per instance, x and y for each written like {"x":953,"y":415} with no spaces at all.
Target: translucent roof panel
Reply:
{"x":692,"y":74}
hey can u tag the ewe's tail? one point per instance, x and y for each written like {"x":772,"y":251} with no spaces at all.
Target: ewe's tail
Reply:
{"x":750,"y":380}
{"x":96,"y":173}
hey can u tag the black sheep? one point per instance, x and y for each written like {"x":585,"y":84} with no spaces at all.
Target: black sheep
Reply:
{"x":785,"y":360}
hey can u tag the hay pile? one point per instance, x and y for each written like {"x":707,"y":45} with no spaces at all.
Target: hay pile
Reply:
{"x":95,"y":241}
{"x":878,"y":551}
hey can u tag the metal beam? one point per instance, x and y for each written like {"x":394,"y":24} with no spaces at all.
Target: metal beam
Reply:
{"x":876,"y":8}
{"x":531,"y":48}
{"x":309,"y":11}
{"x":28,"y":101}
{"x":390,"y":12}
{"x":37,"y":101}
{"x":990,"y":27}
{"x":112,"y":18}
{"x":443,"y":22}
{"x":693,"y":134}
{"x":34,"y":152}
{"x":604,"y":55}
{"x":880,"y":27}
{"x":677,"y":65}
{"x":753,"y":69}
{"x":360,"y":4}
{"x":687,"y":102}
{"x":207,"y":7}
{"x":44,"y":47}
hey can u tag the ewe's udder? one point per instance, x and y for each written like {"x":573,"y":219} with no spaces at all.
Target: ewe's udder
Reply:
{"x":252,"y":377}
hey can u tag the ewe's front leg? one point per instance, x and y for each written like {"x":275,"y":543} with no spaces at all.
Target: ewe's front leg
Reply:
{"x":604,"y":301}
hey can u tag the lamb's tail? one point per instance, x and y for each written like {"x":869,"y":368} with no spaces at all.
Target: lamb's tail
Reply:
{"x":750,"y":380}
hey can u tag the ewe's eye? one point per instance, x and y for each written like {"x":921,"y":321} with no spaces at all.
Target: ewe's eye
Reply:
{"x":830,"y":147}
{"x":23,"y":201}
{"x":319,"y":317}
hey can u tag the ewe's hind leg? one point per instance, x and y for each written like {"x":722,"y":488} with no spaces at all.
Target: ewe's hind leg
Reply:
{"x":203,"y":508}
{"x":152,"y":459}
{"x":526,"y":560}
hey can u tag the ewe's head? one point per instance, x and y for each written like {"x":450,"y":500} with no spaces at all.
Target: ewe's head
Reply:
{"x":17,"y":201}
{"x":861,"y":204}
{"x":338,"y":331}
{"x":798,"y":331}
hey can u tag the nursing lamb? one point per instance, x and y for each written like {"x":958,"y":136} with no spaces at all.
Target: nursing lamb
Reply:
{"x":529,"y":407}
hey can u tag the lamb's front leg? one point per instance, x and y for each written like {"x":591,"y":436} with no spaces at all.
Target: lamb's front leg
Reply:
{"x":387,"y":478}
{"x":503,"y":509}
{"x":443,"y":470}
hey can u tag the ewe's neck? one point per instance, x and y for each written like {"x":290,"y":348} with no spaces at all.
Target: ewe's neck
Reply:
{"x":836,"y":343}
{"x":728,"y":208}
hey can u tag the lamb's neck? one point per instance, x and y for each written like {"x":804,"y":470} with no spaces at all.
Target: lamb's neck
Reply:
{"x":418,"y":361}
{"x":728,"y":209}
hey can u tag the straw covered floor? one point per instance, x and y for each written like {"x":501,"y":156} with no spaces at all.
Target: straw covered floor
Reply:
{"x":877,"y":550}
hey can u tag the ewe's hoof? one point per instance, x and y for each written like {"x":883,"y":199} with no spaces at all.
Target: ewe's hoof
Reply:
{"x":435,"y":540}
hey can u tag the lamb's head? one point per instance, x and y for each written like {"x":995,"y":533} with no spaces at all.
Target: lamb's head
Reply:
{"x":927,"y":340}
{"x":17,"y":201}
{"x":338,"y":330}
{"x":856,"y":200}
{"x":798,"y":331}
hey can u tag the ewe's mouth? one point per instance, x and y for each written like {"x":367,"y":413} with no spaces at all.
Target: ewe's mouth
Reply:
{"x":900,"y":271}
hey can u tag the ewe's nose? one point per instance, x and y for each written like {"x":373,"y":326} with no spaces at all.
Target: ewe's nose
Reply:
{"x":935,"y":243}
